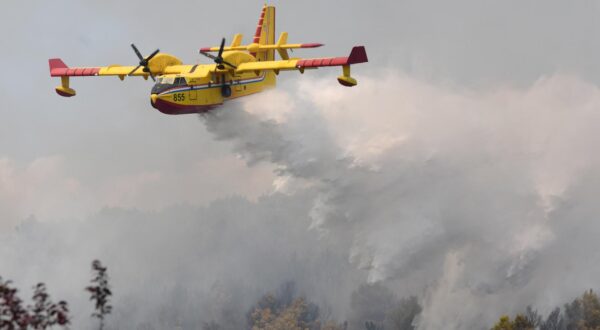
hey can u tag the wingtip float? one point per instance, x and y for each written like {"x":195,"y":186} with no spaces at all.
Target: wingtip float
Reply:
{"x":238,"y":70}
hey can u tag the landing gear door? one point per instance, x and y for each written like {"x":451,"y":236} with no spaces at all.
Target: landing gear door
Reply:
{"x":237,"y":82}
{"x":193,"y":94}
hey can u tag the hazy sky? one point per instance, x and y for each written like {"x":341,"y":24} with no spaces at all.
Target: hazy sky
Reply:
{"x":108,"y":136}
{"x":493,"y":100}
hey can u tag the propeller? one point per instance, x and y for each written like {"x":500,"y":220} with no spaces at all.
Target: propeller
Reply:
{"x":143,"y":61}
{"x":219,"y":58}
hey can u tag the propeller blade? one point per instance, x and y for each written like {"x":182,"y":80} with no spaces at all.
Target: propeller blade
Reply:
{"x":132,"y":71}
{"x":137,"y":52}
{"x":211,"y":56}
{"x":143,"y":62}
{"x":221,"y":48}
{"x":231,"y":65}
{"x":152,"y":55}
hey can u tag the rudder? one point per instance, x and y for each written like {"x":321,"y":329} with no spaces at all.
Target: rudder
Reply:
{"x":265,"y":33}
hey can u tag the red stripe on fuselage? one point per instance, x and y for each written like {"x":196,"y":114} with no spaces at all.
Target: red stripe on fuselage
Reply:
{"x":169,"y":108}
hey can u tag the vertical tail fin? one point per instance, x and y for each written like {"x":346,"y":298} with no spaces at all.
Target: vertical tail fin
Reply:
{"x":265,"y":33}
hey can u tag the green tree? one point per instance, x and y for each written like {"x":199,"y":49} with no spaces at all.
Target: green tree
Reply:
{"x":583,"y":313}
{"x":283,"y":311}
{"x":504,"y":323}
{"x":591,"y":310}
{"x":522,"y":323}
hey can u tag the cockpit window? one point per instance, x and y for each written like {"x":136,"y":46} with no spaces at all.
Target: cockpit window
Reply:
{"x":167,"y":80}
{"x":164,"y":83}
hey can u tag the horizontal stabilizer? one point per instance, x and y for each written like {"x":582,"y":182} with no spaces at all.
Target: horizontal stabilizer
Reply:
{"x":257,"y":47}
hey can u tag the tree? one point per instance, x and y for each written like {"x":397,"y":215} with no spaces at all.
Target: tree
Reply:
{"x":13,"y":315}
{"x":591,"y":310}
{"x":554,"y":321}
{"x":44,"y":313}
{"x":504,"y":323}
{"x":583,"y":313}
{"x":100,"y":292}
{"x":282,"y":311}
{"x":39,"y":311}
{"x":521,"y":322}
{"x":401,"y":317}
{"x":532,"y":317}
{"x":371,"y":303}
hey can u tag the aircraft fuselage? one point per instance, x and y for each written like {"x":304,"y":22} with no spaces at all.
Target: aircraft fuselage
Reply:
{"x":178,"y":94}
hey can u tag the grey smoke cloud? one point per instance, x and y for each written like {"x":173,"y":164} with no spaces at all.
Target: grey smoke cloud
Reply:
{"x":477,"y":202}
{"x":463,"y":205}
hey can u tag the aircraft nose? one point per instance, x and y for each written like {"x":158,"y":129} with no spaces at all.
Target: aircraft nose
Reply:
{"x":153,"y":98}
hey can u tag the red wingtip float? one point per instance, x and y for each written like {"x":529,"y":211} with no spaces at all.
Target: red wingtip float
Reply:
{"x":238,"y":70}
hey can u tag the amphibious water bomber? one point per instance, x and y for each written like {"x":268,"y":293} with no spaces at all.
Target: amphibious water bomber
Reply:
{"x":238,"y":70}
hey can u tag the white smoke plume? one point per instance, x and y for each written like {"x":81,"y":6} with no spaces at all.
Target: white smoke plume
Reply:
{"x":470,"y":199}
{"x":479,"y":202}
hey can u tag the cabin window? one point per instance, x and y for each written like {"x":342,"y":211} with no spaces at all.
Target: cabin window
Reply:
{"x":180,"y":81}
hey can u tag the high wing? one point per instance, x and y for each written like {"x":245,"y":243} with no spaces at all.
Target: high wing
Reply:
{"x":59,"y":69}
{"x":357,"y":55}
{"x":160,"y":64}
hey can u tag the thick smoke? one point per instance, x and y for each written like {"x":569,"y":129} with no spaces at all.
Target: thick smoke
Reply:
{"x":477,"y":202}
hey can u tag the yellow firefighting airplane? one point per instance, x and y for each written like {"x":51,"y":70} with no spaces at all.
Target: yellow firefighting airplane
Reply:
{"x":239,"y":70}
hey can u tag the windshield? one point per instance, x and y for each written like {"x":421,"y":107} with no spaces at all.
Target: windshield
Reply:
{"x":165,"y":83}
{"x":165,"y":80}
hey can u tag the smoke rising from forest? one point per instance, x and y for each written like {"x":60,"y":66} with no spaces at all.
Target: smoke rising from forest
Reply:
{"x":478,"y":202}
